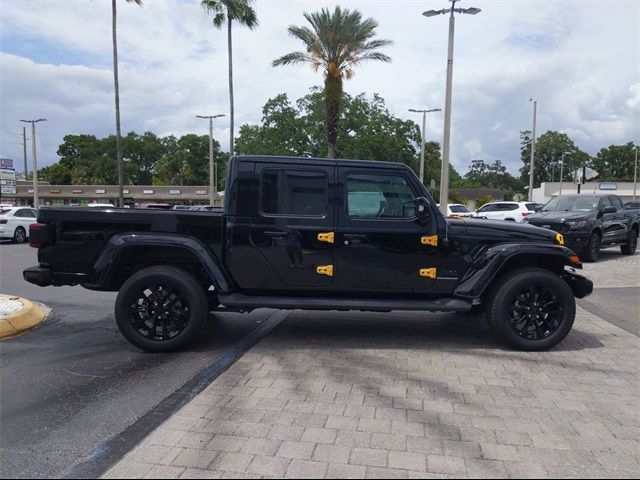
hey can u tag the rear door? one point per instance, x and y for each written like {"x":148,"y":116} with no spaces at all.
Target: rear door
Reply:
{"x":293,"y":228}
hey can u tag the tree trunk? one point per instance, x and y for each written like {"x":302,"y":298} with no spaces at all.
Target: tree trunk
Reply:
{"x":231,"y":113}
{"x":117,"y":95}
{"x":332,"y":101}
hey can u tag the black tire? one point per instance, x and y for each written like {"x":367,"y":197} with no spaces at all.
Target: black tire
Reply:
{"x":20,"y":235}
{"x":174,"y":295}
{"x":545,"y":305}
{"x":591,"y":251}
{"x":629,"y":248}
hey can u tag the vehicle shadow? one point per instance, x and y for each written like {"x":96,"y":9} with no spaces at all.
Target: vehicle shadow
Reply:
{"x":409,"y":330}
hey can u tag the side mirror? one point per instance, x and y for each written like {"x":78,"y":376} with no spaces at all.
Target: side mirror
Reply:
{"x":422,"y":209}
{"x":609,"y":210}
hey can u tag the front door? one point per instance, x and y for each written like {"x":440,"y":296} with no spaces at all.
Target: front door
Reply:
{"x":293,"y":228}
{"x":380,"y":247}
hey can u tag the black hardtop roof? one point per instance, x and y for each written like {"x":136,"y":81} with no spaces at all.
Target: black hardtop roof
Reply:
{"x":321,"y":161}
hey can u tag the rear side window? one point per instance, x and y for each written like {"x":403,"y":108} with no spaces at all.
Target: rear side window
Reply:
{"x":25,"y":213}
{"x":507,"y":206}
{"x":532,"y":206}
{"x":4,"y":212}
{"x":294,"y":192}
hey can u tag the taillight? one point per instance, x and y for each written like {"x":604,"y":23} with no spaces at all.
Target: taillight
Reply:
{"x":37,"y":235}
{"x":524,"y":214}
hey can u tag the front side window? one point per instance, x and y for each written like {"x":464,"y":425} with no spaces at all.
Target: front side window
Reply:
{"x":490,"y":207}
{"x":380,"y":196}
{"x":294,"y":192}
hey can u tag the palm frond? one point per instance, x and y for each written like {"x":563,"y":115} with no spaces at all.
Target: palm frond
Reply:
{"x":293,"y":58}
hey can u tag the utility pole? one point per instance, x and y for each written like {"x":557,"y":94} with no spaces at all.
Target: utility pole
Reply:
{"x":533,"y":149}
{"x":444,"y":174}
{"x":213,"y":185}
{"x":423,"y":137}
{"x":24,"y":147}
{"x":635,"y":175}
{"x":36,"y":201}
{"x":562,"y":169}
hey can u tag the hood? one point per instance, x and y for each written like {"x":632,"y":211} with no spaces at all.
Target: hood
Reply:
{"x":501,"y":230}
{"x":558,"y":216}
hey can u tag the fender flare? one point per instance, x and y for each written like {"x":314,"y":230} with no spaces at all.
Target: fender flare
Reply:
{"x":490,"y":262}
{"x":103,"y":268}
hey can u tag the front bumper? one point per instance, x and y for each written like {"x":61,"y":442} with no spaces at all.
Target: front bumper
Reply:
{"x":576,"y":240}
{"x":38,"y":275}
{"x":580,"y":286}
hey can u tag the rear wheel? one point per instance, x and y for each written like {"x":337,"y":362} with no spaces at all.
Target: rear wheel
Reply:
{"x":592,"y":249}
{"x":532,"y":309}
{"x":161,"y":308}
{"x":632,"y":242}
{"x":20,"y":235}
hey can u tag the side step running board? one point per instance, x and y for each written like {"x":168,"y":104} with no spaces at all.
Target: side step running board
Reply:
{"x":238,"y":300}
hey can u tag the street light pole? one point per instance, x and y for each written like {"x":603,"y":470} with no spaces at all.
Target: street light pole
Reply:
{"x":213,"y":186}
{"x":24,"y":147}
{"x":36,"y":200}
{"x":533,"y":149}
{"x":635,"y":175}
{"x":423,"y":138}
{"x":561,"y":170}
{"x":444,"y":175}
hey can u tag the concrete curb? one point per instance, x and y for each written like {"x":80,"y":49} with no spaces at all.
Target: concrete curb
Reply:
{"x":26,"y":319}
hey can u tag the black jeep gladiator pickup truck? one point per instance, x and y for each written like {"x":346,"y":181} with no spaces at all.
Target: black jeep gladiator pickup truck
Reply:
{"x":302,"y":233}
{"x":590,"y":222}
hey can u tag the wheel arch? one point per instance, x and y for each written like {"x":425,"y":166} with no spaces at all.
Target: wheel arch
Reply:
{"x":126,"y":254}
{"x":494,"y":262}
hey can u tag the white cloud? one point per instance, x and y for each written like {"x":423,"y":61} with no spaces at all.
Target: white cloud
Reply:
{"x":174,"y":65}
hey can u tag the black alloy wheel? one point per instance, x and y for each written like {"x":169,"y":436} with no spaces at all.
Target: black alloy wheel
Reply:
{"x":531,"y":309}
{"x":20,"y":235}
{"x":535,"y":312}
{"x":592,"y":249}
{"x":632,"y":243}
{"x":161,"y":308}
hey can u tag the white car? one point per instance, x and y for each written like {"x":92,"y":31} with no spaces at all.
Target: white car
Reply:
{"x":457,"y":210}
{"x":510,"y":211}
{"x":15,"y":221}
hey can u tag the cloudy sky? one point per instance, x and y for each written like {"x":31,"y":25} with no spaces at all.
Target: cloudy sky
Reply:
{"x":579,"y":59}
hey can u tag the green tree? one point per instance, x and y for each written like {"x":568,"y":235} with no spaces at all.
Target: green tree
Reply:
{"x":116,"y":84}
{"x":615,"y":163}
{"x":337,"y":42}
{"x":492,"y":175}
{"x":58,"y":175}
{"x":549,"y":148}
{"x":141,"y":153}
{"x":227,"y":11}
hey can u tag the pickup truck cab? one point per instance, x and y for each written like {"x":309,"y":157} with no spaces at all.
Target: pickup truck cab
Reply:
{"x":304,"y":233}
{"x":590,"y":222}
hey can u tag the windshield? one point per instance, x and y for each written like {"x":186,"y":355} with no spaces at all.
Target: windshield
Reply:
{"x":458,"y":209}
{"x":582,"y":203}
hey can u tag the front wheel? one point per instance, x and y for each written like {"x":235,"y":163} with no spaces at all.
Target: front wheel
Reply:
{"x":592,"y":249}
{"x":632,"y":243}
{"x":161,"y":308}
{"x":532,"y":309}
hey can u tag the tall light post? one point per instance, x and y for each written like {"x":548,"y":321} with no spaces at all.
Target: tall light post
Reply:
{"x":36,"y":200}
{"x":533,"y":148}
{"x":424,"y":121}
{"x":562,"y":169}
{"x":213,"y":186}
{"x":444,"y":175}
{"x":635,"y":175}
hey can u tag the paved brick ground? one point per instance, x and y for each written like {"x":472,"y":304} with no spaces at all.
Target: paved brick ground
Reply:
{"x":408,"y":395}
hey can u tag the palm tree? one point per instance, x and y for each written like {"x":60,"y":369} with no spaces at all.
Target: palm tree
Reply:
{"x":226,"y":11}
{"x":117,"y":94}
{"x":336,"y":43}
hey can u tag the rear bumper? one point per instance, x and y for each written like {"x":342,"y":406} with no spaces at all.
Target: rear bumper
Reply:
{"x":581,"y":286}
{"x":38,"y":275}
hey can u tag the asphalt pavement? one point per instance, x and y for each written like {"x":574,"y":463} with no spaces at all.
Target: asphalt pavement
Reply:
{"x":75,"y":382}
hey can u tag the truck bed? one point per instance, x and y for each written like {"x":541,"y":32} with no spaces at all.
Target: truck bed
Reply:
{"x":78,"y":235}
